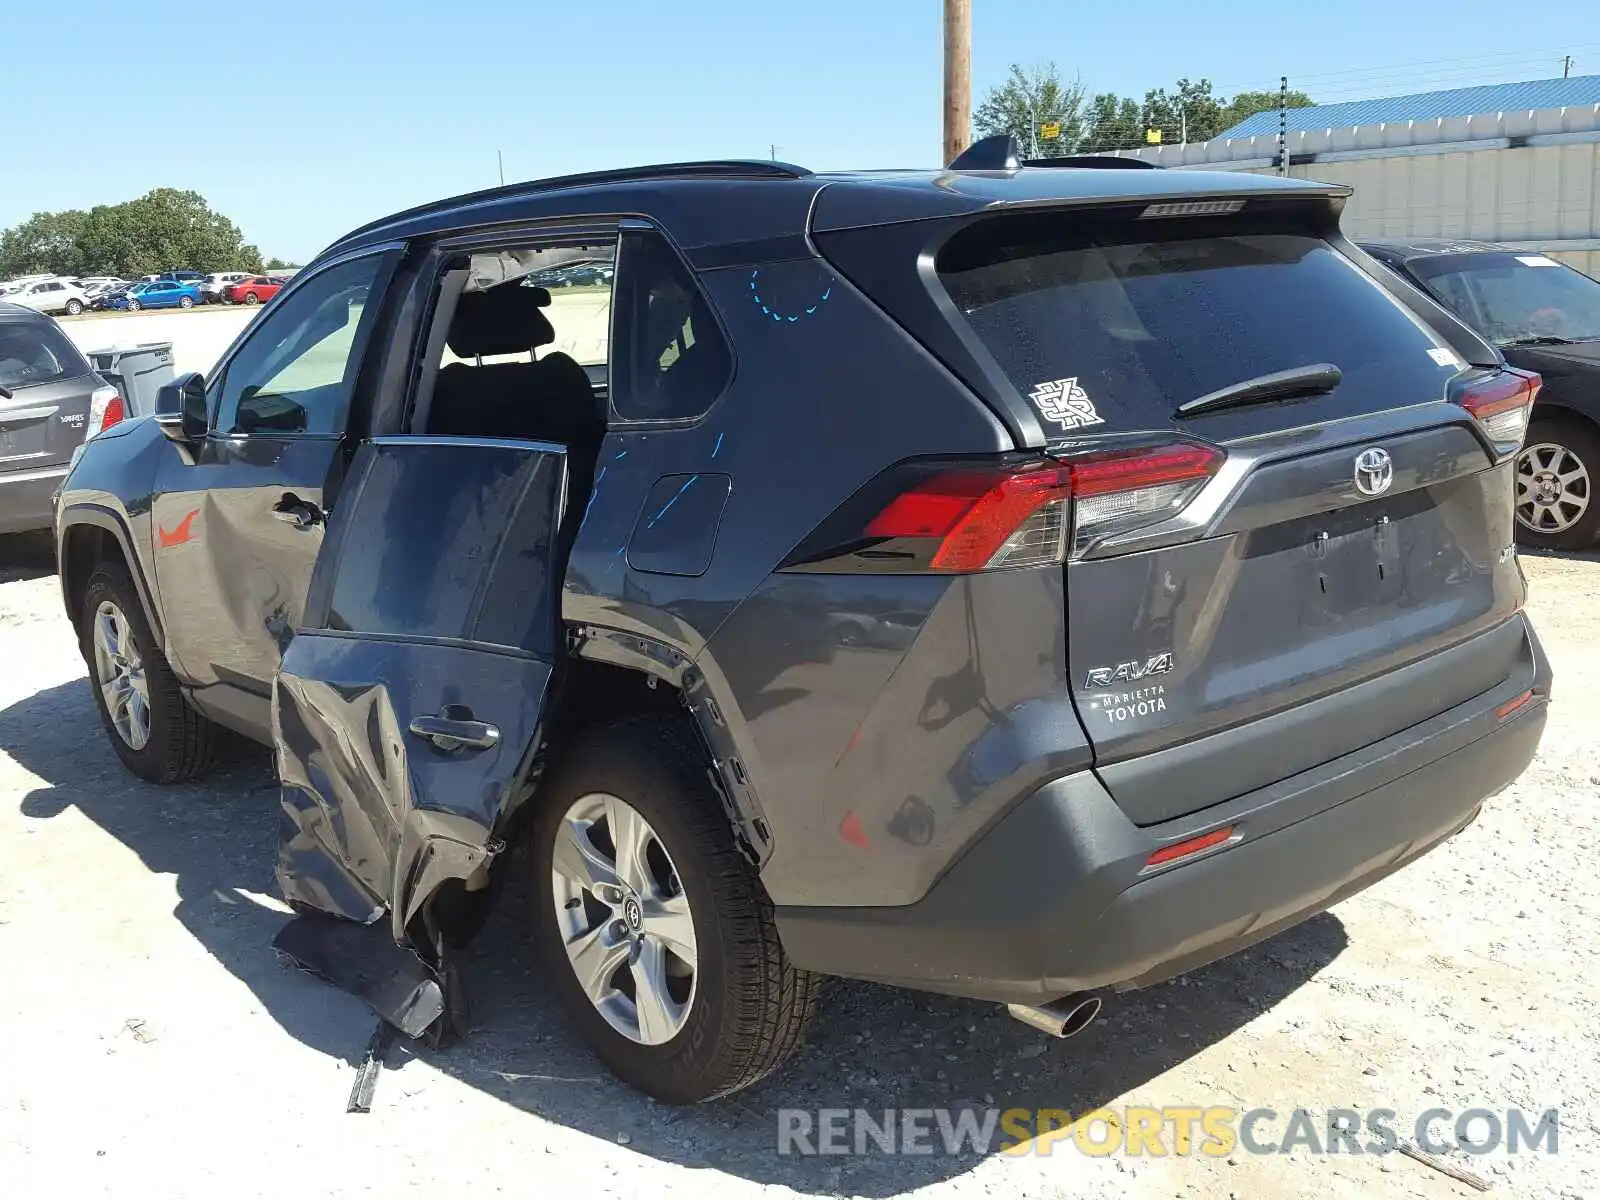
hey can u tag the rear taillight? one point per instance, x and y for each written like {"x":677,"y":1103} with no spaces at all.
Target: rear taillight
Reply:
{"x":925,"y":516}
{"x":106,"y":408}
{"x":1118,"y":491}
{"x":983,"y":520}
{"x":1501,"y":404}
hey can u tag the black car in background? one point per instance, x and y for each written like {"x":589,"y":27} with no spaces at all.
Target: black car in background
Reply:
{"x":1545,"y":317}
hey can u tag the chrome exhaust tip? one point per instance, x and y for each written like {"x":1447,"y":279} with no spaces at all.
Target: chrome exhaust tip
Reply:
{"x":1060,"y":1018}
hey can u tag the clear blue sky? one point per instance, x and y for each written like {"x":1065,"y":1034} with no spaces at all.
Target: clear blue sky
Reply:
{"x":302,"y":118}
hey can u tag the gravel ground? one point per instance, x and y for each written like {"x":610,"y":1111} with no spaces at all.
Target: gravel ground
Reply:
{"x":158,"y":1048}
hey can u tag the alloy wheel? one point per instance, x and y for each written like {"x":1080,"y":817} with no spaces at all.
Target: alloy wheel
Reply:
{"x":624,"y":919}
{"x":119,"y":673}
{"x":1553,"y":488}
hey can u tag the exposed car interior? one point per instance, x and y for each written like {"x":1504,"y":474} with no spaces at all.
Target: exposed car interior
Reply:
{"x":499,"y":367}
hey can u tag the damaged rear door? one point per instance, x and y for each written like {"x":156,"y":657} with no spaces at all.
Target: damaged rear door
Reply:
{"x":408,"y":704}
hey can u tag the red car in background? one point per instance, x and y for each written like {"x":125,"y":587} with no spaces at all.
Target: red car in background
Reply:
{"x":258,"y":289}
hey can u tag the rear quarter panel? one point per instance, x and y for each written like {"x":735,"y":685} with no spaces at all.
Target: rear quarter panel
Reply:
{"x":827,"y":392}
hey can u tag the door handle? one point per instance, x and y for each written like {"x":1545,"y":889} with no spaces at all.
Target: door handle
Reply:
{"x":455,"y":729}
{"x":292,"y":510}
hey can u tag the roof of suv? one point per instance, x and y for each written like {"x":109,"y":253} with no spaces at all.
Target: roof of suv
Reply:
{"x":723,"y":202}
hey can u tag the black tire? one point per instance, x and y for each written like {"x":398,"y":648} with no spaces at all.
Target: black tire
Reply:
{"x":251,"y":298}
{"x":133,"y":305}
{"x":751,"y":1006}
{"x":182,"y":743}
{"x":1581,"y":440}
{"x":74,"y":307}
{"x":185,"y":302}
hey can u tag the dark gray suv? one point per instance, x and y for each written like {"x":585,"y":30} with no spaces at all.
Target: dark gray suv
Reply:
{"x":50,"y":401}
{"x":1018,"y":582}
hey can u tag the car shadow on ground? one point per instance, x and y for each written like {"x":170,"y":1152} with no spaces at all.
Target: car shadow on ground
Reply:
{"x":871,"y":1048}
{"x":26,"y":556}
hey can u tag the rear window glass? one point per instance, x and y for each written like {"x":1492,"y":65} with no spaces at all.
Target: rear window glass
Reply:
{"x":1113,"y":327}
{"x":36,"y":352}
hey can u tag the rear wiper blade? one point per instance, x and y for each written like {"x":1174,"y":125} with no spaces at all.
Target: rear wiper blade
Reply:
{"x":1311,"y":380}
{"x":1541,"y":339}
{"x":5,"y":393}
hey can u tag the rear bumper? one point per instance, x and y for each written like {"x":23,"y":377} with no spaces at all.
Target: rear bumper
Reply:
{"x":25,"y":499}
{"x":1053,"y":899}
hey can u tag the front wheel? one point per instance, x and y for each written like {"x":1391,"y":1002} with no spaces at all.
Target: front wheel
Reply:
{"x":654,"y":927}
{"x":74,"y":307}
{"x":133,"y":306}
{"x":1557,"y":470}
{"x":153,"y":728}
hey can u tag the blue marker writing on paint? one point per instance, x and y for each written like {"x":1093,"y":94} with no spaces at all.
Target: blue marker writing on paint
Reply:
{"x":766,"y":310}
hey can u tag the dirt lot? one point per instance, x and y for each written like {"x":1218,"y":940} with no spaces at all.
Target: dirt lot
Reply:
{"x":155,"y":1046}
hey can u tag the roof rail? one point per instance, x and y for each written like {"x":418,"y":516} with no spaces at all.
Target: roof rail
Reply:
{"x":1102,"y":162}
{"x":709,"y":169}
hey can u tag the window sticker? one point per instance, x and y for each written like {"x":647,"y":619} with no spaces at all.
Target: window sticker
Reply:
{"x":1445,"y":358}
{"x":1065,"y":403}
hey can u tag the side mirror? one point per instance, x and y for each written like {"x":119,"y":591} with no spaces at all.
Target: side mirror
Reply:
{"x":181,"y":408}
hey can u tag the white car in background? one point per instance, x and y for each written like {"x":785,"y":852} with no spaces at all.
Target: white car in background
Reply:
{"x":214,"y":285}
{"x":51,"y":296}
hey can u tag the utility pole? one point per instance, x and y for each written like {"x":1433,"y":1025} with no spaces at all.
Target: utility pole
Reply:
{"x":500,"y":160}
{"x":773,"y":146}
{"x":1566,"y":66}
{"x":957,"y":77}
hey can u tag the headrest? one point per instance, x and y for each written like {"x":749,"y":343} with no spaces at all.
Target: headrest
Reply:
{"x":504,"y":319}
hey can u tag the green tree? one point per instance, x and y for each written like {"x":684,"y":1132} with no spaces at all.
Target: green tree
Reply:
{"x":165,"y":229}
{"x":278,"y":264}
{"x":1248,"y":104}
{"x":1189,"y":113}
{"x":1028,"y":102}
{"x":1112,"y":122}
{"x":44,"y":242}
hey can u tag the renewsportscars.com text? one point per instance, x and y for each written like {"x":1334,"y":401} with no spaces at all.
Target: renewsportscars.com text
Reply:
{"x":1175,"y":1131}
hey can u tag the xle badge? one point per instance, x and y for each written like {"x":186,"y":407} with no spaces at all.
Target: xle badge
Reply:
{"x":1065,"y":403}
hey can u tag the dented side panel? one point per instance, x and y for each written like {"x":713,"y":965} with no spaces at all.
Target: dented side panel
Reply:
{"x":371,"y":808}
{"x":406,"y":712}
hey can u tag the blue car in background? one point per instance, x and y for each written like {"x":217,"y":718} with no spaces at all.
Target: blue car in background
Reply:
{"x":157,"y":293}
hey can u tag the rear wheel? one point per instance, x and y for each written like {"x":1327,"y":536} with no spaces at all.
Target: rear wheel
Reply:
{"x":654,"y":926}
{"x":1558,"y":469}
{"x":185,"y":302}
{"x":251,"y":298}
{"x":153,"y":728}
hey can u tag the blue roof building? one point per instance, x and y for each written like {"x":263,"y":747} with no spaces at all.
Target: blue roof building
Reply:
{"x":1425,"y":106}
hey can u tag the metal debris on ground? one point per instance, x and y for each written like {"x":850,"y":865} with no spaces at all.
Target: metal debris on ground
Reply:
{"x":367,"y":1073}
{"x":137,"y":1027}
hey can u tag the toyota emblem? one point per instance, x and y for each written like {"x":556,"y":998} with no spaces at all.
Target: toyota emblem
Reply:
{"x":1374,"y":471}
